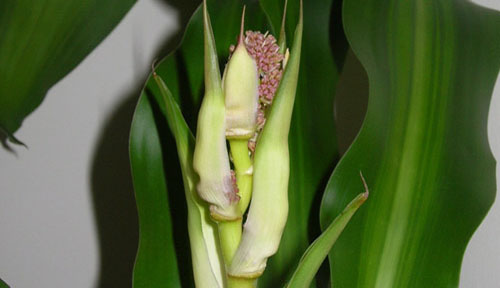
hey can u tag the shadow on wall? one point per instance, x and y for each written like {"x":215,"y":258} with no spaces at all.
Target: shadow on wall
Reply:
{"x":112,"y":189}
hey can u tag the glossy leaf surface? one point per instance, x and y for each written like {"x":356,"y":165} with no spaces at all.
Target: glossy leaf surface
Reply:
{"x":423,"y":146}
{"x":42,"y":41}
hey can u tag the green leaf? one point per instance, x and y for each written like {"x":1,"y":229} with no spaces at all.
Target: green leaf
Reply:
{"x":423,"y":146}
{"x":312,"y":140}
{"x":3,"y":284}
{"x":42,"y":41}
{"x":156,"y":264}
{"x":319,"y":249}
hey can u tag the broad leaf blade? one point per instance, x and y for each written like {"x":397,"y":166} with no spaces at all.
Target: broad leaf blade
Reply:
{"x":42,"y":41}
{"x":423,"y":146}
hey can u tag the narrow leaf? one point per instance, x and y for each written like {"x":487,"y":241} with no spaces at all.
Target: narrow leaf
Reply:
{"x":319,"y":249}
{"x":156,"y":263}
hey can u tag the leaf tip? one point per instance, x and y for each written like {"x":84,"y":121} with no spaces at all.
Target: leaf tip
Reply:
{"x":282,"y":38}
{"x":242,"y":28}
{"x":153,"y":67}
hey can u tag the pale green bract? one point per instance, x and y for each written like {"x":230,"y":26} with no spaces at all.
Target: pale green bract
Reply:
{"x":269,"y":205}
{"x":211,"y":160}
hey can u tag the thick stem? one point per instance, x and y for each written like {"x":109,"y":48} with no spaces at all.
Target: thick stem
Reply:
{"x":230,"y":231}
{"x":233,"y":282}
{"x":243,"y":169}
{"x":230,"y":237}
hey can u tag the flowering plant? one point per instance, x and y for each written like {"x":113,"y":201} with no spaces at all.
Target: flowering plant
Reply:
{"x":251,"y":108}
{"x":257,"y":171}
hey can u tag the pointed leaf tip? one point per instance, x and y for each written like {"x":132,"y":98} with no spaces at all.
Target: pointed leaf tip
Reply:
{"x":319,"y":249}
{"x":282,"y":37}
{"x":212,"y":73}
{"x":242,"y":28}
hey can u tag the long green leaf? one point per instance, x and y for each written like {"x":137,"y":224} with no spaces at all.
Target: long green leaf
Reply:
{"x":423,"y":146}
{"x":156,"y":264}
{"x":41,"y":42}
{"x":312,"y":140}
{"x":3,"y":284}
{"x":319,"y":249}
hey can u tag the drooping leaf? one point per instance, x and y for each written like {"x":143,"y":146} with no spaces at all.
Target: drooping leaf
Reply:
{"x":313,"y":144}
{"x":423,"y":146}
{"x":42,"y":41}
{"x":316,"y":253}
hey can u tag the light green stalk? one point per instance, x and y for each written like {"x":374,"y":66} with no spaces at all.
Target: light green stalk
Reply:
{"x":211,"y":160}
{"x":206,"y":261}
{"x":269,"y":207}
{"x":241,"y":91}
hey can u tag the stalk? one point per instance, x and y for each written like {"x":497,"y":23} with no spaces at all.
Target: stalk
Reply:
{"x":244,"y":171}
{"x":234,"y":282}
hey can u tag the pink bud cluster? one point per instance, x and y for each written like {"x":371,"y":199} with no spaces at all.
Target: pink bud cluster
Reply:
{"x":264,"y":49}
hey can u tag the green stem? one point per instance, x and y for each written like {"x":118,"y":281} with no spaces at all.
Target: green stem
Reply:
{"x":230,"y":237}
{"x":233,"y":282}
{"x":230,"y":231}
{"x":243,"y":169}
